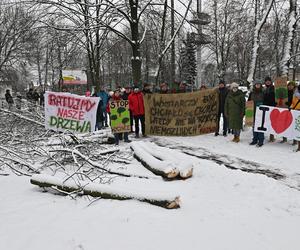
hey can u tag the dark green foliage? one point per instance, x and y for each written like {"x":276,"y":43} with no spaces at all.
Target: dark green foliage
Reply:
{"x":113,"y":117}
{"x":120,"y":110}
{"x":281,"y":93}
{"x":125,"y":120}
{"x":188,"y":61}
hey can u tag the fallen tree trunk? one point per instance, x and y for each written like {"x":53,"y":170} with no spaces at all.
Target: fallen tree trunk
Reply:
{"x":184,"y":165}
{"x":156,"y":166}
{"x":104,"y":191}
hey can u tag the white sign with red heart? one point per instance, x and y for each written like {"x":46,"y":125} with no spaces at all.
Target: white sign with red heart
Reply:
{"x":278,"y":121}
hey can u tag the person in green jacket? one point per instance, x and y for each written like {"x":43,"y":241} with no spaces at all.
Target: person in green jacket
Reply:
{"x":235,"y":110}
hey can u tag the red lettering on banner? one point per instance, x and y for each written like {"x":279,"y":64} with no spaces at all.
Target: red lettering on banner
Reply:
{"x":70,"y":102}
{"x":70,"y":114}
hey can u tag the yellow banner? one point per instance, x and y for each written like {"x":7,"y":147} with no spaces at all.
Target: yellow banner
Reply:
{"x":186,"y":114}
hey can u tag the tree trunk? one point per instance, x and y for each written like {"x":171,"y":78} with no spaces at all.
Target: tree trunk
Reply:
{"x":136,"y":60}
{"x":256,"y":38}
{"x":101,"y":190}
{"x":290,"y":38}
{"x":173,"y":71}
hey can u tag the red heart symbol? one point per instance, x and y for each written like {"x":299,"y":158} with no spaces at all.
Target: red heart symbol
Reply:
{"x":281,"y":121}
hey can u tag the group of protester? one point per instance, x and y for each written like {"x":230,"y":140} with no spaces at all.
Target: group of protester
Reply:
{"x":232,"y":103}
{"x":135,"y":99}
{"x":32,"y":95}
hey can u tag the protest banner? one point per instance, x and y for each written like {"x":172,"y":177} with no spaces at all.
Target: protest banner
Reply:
{"x":69,"y":112}
{"x":278,"y":121}
{"x":249,"y":113}
{"x":74,"y":77}
{"x":119,"y":116}
{"x":281,"y":92}
{"x":185,"y":114}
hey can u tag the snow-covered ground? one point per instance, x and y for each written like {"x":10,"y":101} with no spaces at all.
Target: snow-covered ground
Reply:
{"x":221,"y":208}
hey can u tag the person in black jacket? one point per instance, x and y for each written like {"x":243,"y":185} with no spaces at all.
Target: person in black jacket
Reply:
{"x":100,"y":115}
{"x":9,"y":99}
{"x":222,"y":92}
{"x":269,"y":98}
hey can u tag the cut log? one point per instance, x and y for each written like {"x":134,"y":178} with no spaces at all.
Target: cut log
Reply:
{"x":163,"y":168}
{"x":104,"y":191}
{"x":184,"y":165}
{"x":167,"y":156}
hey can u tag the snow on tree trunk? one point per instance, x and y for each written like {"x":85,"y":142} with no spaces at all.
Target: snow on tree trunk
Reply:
{"x":104,"y":191}
{"x":183,"y":163}
{"x":290,"y":37}
{"x":166,"y":169}
{"x":256,"y":38}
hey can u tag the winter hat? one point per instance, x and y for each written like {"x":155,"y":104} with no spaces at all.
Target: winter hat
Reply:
{"x":221,"y":82}
{"x":292,"y":83}
{"x":268,"y":79}
{"x":234,"y":85}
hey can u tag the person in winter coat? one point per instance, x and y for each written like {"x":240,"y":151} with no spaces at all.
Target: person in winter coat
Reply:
{"x":269,"y":98}
{"x":35,"y":97}
{"x":182,"y":88}
{"x":99,"y":115}
{"x":125,"y":95}
{"x":164,"y":88}
{"x":296,"y":105}
{"x":147,"y":89}
{"x":136,"y":105}
{"x":291,"y":90}
{"x":257,"y":96}
{"x":222,"y":93}
{"x":9,"y":99}
{"x":105,"y":99}
{"x":235,"y":110}
{"x":42,"y":98}
{"x":291,"y":86}
{"x":117,"y":97}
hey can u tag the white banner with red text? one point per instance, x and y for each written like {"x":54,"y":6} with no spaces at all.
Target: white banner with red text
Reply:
{"x":69,"y":112}
{"x":278,"y":121}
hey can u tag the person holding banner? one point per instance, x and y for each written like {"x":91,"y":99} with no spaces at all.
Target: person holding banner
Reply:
{"x":296,"y":105}
{"x":291,"y":87}
{"x":269,"y":98}
{"x":116,"y":97}
{"x":257,"y":96}
{"x":222,"y":93}
{"x":235,"y":110}
{"x":164,"y":88}
{"x":105,"y":99}
{"x":136,"y":105}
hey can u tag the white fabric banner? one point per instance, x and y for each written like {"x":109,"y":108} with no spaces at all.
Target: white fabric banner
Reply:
{"x":69,"y":112}
{"x":278,"y":121}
